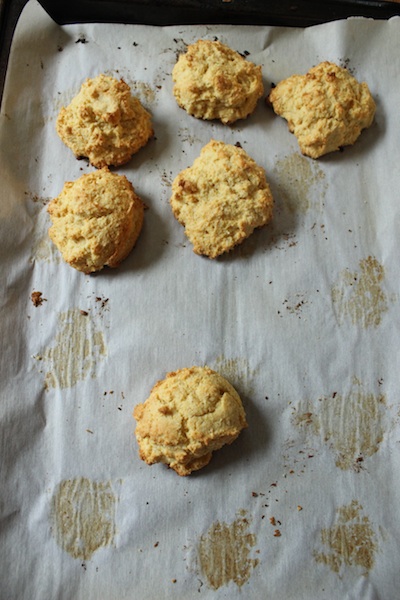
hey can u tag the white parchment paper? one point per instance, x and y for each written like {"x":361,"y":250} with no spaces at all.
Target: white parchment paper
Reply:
{"x":302,"y":318}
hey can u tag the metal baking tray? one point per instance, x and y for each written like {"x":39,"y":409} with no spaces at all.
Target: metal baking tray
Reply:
{"x":289,"y":13}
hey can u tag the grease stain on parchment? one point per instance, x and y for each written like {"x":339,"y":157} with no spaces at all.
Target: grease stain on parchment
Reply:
{"x":350,"y":542}
{"x":299,"y":181}
{"x":42,"y":248}
{"x":225,"y":553}
{"x":352,"y":425}
{"x":141,"y":89}
{"x":83,"y":516}
{"x":78,"y":347}
{"x":237,"y":371}
{"x":358,"y":295}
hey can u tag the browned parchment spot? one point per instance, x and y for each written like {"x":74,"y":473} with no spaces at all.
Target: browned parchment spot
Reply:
{"x":224,"y":553}
{"x":83,"y":516}
{"x":358,"y":295}
{"x":299,"y":180}
{"x":351,"y":424}
{"x":78,"y":347}
{"x":351,"y":541}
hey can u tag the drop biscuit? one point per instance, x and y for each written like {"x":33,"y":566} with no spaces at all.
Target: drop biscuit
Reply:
{"x":104,"y":122}
{"x":188,"y":415}
{"x":325,"y":109}
{"x":96,"y":220}
{"x":212,"y":81}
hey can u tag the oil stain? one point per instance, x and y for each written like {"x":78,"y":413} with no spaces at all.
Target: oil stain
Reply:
{"x":78,"y":346}
{"x":42,"y":247}
{"x":224,"y":553}
{"x":237,"y":371}
{"x":142,"y":89}
{"x":352,"y":425}
{"x":358,"y":295}
{"x":83,"y":516}
{"x":351,"y":541}
{"x":299,"y":179}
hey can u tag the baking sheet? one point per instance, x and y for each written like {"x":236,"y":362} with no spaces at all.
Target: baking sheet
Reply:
{"x":302,"y":319}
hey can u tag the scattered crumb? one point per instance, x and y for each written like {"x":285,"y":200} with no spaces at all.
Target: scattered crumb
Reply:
{"x":299,"y":507}
{"x":277,"y":533}
{"x":272,"y":521}
{"x":37,"y":298}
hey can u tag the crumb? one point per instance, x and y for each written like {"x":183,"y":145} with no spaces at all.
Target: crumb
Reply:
{"x":272,"y":521}
{"x":299,"y":507}
{"x":37,"y":299}
{"x":277,"y":533}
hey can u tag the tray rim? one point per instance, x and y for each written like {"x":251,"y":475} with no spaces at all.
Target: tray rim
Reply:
{"x":303,"y":13}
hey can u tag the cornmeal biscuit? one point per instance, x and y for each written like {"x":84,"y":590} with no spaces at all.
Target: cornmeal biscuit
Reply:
{"x":325,"y":109}
{"x":221,"y":198}
{"x":96,"y":220}
{"x":187,"y":416}
{"x":104,"y":122}
{"x":212,"y":81}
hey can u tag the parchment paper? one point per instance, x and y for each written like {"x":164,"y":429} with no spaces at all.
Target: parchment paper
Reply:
{"x":302,"y":319}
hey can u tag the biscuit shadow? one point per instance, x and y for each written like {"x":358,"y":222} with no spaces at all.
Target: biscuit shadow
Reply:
{"x":251,"y":443}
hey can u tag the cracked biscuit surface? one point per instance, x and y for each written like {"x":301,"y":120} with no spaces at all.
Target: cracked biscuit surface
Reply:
{"x":188,"y":415}
{"x":326,"y":108}
{"x":104,"y":122}
{"x":221,"y":198}
{"x":96,"y":220}
{"x":212,"y":81}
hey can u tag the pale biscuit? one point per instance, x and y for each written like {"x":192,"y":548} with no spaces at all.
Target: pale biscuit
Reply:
{"x":326,"y":109}
{"x":104,"y":122}
{"x":221,"y":198}
{"x":96,"y":220}
{"x":212,"y":81}
{"x":188,"y":415}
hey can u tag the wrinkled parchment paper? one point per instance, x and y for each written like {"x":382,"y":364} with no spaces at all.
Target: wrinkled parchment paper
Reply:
{"x":302,"y":318}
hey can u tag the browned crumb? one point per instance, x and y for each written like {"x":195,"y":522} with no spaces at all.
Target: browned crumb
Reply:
{"x":277,"y":533}
{"x":37,"y":299}
{"x":272,"y":520}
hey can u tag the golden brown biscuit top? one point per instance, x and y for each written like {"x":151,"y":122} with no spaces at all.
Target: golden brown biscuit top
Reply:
{"x":96,"y":220}
{"x":221,"y":198}
{"x":325,"y":109}
{"x":212,"y":81}
{"x":104,"y":122}
{"x":188,"y":415}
